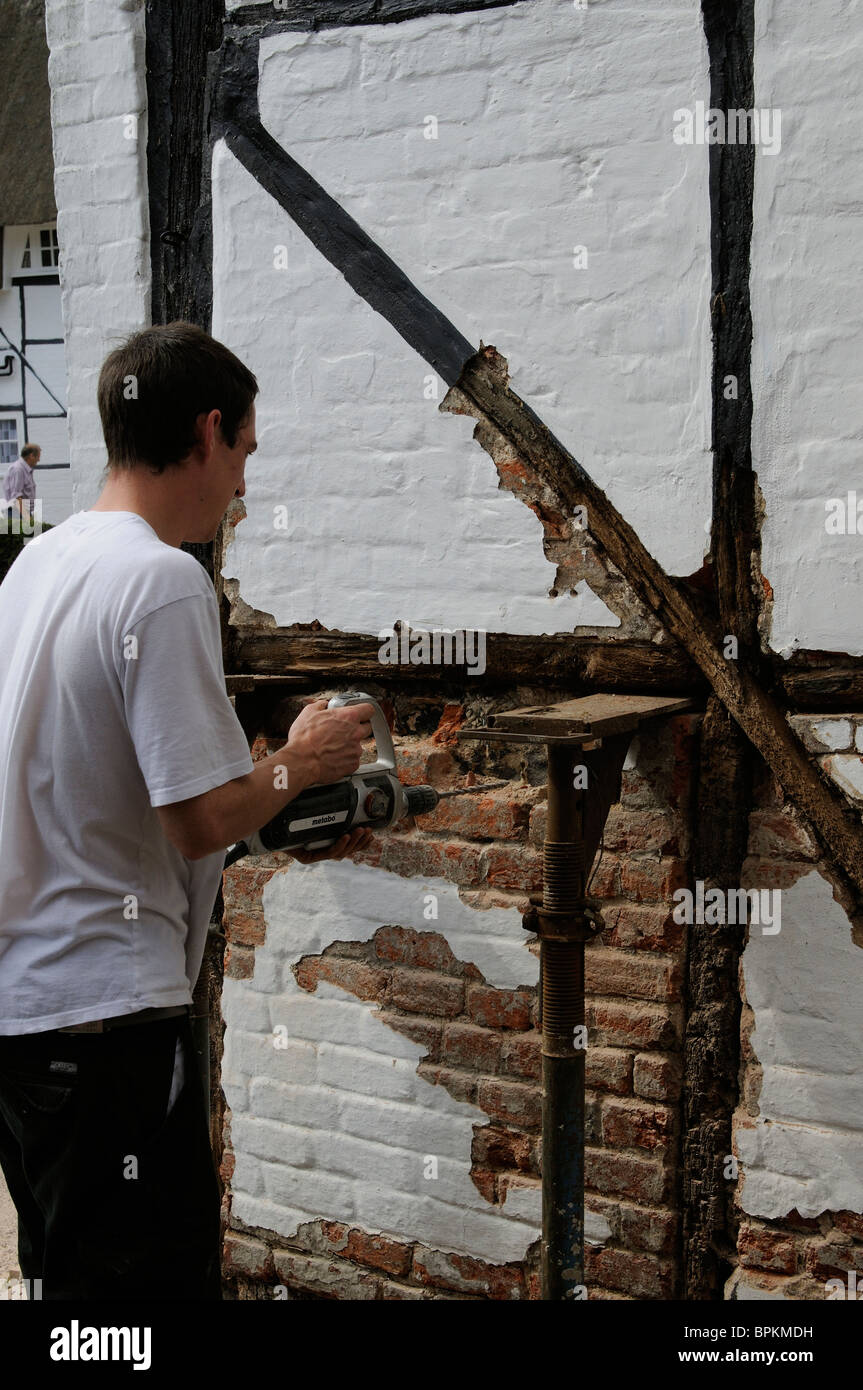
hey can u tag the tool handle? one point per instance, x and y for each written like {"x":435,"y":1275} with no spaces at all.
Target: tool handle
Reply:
{"x":386,"y":760}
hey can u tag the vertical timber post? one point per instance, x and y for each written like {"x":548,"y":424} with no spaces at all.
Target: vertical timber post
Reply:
{"x":563,"y":1053}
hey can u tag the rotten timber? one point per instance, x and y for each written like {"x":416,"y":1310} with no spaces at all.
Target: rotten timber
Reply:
{"x":723,"y":793}
{"x":818,"y":681}
{"x":510,"y":660}
{"x":482,"y":391}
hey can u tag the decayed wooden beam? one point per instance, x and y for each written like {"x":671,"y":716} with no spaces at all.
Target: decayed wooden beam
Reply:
{"x":822,"y":682}
{"x":559,"y":659}
{"x":482,"y":391}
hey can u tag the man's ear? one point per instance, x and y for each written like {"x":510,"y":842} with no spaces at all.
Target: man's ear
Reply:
{"x":206,"y":425}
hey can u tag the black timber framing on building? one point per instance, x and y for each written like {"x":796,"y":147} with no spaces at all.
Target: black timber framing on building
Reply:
{"x":723,"y":799}
{"x":186,"y":47}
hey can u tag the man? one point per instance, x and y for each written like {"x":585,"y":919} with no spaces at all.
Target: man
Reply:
{"x":19,"y":485}
{"x":124,"y":775}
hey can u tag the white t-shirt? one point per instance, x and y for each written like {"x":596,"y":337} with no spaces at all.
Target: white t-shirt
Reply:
{"x":112,"y":702}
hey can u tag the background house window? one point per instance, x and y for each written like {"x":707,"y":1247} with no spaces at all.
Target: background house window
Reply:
{"x":8,"y":442}
{"x":49,"y":246}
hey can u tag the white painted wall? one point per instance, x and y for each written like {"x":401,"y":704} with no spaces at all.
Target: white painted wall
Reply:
{"x":555,"y":130}
{"x":805,"y":986}
{"x":97,"y":76}
{"x":807,"y":264}
{"x":338,"y":1122}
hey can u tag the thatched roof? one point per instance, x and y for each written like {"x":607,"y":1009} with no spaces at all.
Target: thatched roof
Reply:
{"x":26,"y":158}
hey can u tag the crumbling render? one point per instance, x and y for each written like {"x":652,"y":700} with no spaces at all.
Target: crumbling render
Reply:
{"x":552,"y":478}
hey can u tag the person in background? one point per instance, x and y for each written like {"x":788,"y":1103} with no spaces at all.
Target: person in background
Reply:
{"x":19,"y":485}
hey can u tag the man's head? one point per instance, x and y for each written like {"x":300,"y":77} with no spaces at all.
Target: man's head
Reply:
{"x":31,"y":454}
{"x":178,"y":405}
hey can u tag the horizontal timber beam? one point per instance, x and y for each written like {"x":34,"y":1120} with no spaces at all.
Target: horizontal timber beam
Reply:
{"x":559,"y":659}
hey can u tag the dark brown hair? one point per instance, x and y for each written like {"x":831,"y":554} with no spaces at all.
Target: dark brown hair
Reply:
{"x":152,"y":389}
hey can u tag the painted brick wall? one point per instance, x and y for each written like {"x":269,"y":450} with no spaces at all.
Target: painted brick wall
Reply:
{"x":799,"y":1124}
{"x":99,"y":121}
{"x":412,"y":1039}
{"x":537,"y":106}
{"x":806,"y":257}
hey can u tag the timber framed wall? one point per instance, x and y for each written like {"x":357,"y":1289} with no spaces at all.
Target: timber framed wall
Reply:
{"x":425,"y":1029}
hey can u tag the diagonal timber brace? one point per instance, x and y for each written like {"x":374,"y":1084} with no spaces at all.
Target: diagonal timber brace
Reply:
{"x":478,"y":386}
{"x":482,"y":390}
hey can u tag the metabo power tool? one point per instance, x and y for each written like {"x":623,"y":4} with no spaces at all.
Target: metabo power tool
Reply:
{"x":372,"y":796}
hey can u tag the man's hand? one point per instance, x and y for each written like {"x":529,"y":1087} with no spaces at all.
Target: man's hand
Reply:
{"x":330,"y":740}
{"x":359,"y":838}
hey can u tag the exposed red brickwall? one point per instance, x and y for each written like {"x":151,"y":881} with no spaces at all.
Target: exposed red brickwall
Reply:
{"x":482,"y":1042}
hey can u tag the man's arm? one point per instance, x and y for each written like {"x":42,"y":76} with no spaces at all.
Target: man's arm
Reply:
{"x":323,"y":746}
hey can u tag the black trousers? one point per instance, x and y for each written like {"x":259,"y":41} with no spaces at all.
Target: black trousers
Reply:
{"x":117,"y":1197}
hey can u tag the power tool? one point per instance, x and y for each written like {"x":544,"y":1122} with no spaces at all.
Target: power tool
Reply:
{"x":372,"y":796}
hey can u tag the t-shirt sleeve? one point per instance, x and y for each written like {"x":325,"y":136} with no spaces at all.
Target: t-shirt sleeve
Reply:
{"x":187,"y":737}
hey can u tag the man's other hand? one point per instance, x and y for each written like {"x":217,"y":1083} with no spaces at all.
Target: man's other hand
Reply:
{"x":358,"y":839}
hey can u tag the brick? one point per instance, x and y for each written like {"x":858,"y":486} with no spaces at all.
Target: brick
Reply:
{"x":642,"y":1228}
{"x":652,"y":880}
{"x":628,"y":831}
{"x":329,"y":1278}
{"x":378,"y":1252}
{"x":646,"y":1026}
{"x":639,"y":1275}
{"x":420,"y":856}
{"x":832,"y":1258}
{"x":644,"y":1181}
{"x":360,"y":979}
{"x":239,"y":962}
{"x":657,"y":1076}
{"x":635,"y":976}
{"x":322,"y":1237}
{"x":246,"y":1256}
{"x":537,"y":824}
{"x":850,"y":1223}
{"x":511,"y":1102}
{"x":605,"y":878}
{"x":425,"y":992}
{"x":499,"y":815}
{"x":628,"y":1124}
{"x":428,"y":1032}
{"x":499,"y":1008}
{"x":243,"y":884}
{"x":641,"y":927}
{"x":761,"y":1248}
{"x":465,"y":1045}
{"x":608,"y":1069}
{"x":461,"y":1085}
{"x":494,"y":1147}
{"x":521,"y":1055}
{"x":422,"y":950}
{"x":420,"y":760}
{"x":513,"y":866}
{"x":246,"y":928}
{"x":463,"y":1274}
{"x":451,"y":720}
{"x":391,"y":1292}
{"x":486,"y":1181}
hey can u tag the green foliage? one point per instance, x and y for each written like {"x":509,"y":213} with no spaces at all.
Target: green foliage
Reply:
{"x":10,"y":548}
